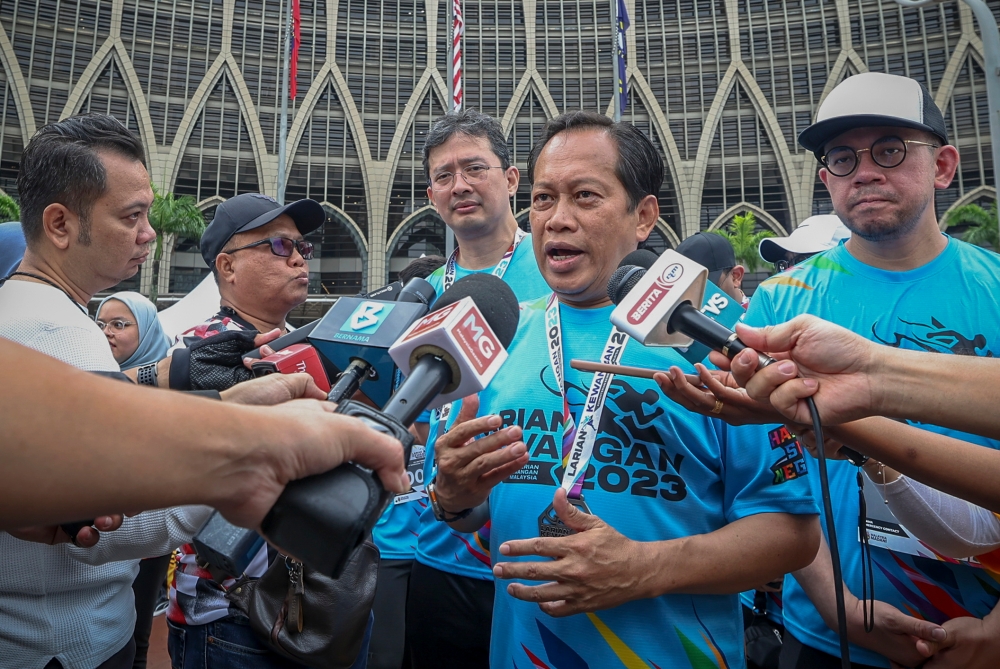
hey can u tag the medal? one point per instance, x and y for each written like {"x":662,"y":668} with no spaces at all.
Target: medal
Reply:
{"x":551,"y":525}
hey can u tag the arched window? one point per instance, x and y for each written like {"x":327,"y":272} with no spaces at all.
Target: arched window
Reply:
{"x":340,"y":258}
{"x":422,"y":234}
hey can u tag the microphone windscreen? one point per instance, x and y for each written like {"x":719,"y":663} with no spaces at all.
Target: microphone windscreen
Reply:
{"x":494,"y":299}
{"x":640,"y":258}
{"x":624,"y":280}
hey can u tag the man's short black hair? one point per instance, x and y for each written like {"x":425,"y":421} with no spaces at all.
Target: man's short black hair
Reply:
{"x":60,"y":164}
{"x":422,"y":267}
{"x":468,"y":122}
{"x":639,"y":167}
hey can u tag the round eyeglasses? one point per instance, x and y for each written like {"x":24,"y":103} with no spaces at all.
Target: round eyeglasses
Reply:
{"x":115,"y":325}
{"x":281,"y":246}
{"x":887,"y":152}
{"x":473,"y":174}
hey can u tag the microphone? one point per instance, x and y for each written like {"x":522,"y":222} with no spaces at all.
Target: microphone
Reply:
{"x":416,"y":291}
{"x":717,"y":306}
{"x":321,"y":519}
{"x":229,"y":549}
{"x":656,"y":306}
{"x":291,"y":360}
{"x":361,"y":328}
{"x":657,"y":310}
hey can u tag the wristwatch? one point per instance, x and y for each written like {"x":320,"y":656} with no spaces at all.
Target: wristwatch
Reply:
{"x":147,"y":374}
{"x":439,"y":512}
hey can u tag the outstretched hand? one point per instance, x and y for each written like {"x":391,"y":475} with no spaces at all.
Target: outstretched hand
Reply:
{"x":467,"y":467}
{"x":714,"y":393}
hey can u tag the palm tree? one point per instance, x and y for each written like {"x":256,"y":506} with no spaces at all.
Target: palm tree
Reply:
{"x":172,"y":217}
{"x":9,"y":211}
{"x":983,"y":226}
{"x":744,"y":240}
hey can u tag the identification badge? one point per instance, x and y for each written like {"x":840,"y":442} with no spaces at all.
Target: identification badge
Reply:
{"x":551,"y":525}
{"x":415,"y":472}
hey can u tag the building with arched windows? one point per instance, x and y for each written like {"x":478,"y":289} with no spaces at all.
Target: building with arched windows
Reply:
{"x":722,"y":87}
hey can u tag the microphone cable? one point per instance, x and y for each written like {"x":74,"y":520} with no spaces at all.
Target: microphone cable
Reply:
{"x":831,"y":531}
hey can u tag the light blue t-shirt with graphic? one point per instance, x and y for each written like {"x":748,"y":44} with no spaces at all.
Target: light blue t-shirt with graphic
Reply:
{"x":947,"y":306}
{"x":409,"y":529}
{"x":658,"y":472}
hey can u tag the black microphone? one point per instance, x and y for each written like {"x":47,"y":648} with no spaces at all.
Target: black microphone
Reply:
{"x":630,"y":270}
{"x":227,"y":549}
{"x":321,"y":519}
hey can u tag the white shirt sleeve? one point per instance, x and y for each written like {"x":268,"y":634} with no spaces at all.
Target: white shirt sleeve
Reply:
{"x":149,"y":534}
{"x":951,"y":526}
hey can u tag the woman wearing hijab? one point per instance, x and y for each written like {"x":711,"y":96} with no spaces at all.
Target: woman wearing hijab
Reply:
{"x":130,"y":323}
{"x":133,"y":330}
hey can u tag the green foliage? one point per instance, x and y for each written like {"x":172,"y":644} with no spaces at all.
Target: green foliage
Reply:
{"x":983,"y":225}
{"x":745,"y":240}
{"x":171,"y":215}
{"x":9,"y":211}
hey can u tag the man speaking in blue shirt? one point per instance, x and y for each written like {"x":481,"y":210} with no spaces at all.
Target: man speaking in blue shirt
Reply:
{"x":636,"y":561}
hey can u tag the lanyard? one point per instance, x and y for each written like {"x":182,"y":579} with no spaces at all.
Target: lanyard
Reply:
{"x":578,"y":441}
{"x":51,"y":283}
{"x":498,"y":271}
{"x":449,"y":278}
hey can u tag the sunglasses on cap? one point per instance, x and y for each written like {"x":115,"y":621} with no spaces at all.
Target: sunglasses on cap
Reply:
{"x":281,"y":246}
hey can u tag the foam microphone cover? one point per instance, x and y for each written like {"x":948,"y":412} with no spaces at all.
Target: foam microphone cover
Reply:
{"x":626,"y":276}
{"x":494,"y":299}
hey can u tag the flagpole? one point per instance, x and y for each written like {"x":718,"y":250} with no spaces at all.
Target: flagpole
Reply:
{"x":283,"y":131}
{"x":614,"y":50}
{"x":449,"y":236}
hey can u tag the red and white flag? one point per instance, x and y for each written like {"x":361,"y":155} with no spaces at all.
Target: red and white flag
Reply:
{"x":296,"y":41}
{"x":458,"y":31}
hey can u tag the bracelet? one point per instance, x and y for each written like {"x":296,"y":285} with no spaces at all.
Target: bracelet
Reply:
{"x":439,"y":511}
{"x":147,"y":375}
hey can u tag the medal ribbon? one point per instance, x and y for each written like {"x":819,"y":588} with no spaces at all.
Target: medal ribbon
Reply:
{"x":578,"y":441}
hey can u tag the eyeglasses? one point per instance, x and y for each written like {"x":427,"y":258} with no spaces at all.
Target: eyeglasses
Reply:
{"x":281,"y":246}
{"x":888,"y":152}
{"x":473,"y":174}
{"x":116,"y":325}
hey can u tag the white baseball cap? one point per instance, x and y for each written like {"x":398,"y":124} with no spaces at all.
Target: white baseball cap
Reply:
{"x":873,"y":99}
{"x":815,"y":234}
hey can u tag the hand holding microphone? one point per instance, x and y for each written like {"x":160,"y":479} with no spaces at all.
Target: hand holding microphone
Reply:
{"x":655,"y":306}
{"x":453,"y":351}
{"x":818,"y":355}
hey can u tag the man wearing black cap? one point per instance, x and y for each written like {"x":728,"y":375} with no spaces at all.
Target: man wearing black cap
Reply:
{"x":715,"y":253}
{"x":257,"y":251}
{"x":883,"y":148}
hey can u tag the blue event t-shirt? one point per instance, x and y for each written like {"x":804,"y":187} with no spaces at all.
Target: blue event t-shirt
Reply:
{"x":396,"y":533}
{"x":946,"y":306}
{"x":658,"y":472}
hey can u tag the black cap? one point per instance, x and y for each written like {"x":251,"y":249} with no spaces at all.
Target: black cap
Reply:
{"x":874,"y":99}
{"x":253,"y":210}
{"x":712,"y":251}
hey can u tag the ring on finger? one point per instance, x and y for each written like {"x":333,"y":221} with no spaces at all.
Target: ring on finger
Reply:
{"x":718,"y":406}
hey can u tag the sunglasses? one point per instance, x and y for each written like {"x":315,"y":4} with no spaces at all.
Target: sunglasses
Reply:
{"x":282,"y":246}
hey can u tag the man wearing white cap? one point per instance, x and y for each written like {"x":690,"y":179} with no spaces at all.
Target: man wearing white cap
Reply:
{"x":815,"y":234}
{"x":898,"y":280}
